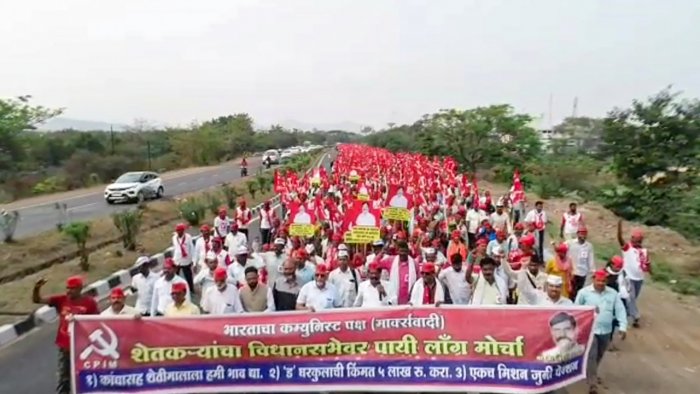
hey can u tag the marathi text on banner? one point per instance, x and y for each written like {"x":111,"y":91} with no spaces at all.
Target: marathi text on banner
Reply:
{"x":302,"y":230}
{"x":399,"y":349}
{"x":362,"y":235}
{"x":391,"y":213}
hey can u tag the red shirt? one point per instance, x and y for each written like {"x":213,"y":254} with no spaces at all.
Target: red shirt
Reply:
{"x":83,"y":305}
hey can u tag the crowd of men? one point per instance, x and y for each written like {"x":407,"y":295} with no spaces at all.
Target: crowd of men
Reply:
{"x":459,"y":246}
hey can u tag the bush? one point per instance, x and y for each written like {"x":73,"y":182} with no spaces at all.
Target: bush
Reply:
{"x":51,"y":184}
{"x":213,"y":203}
{"x":231,"y":195}
{"x":193,"y":211}
{"x":129,"y":225}
{"x":252,"y":188}
{"x":79,"y":232}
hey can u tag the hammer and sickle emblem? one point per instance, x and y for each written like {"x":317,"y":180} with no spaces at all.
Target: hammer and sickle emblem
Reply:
{"x":100,"y":345}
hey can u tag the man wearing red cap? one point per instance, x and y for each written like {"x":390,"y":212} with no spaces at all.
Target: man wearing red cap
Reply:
{"x":457,"y":246}
{"x":538,"y":217}
{"x":163,"y":286}
{"x":561,"y":265}
{"x":427,"y":290}
{"x":222,"y":298}
{"x":222,"y":223}
{"x":73,"y":302}
{"x":583,"y":258}
{"x":118,"y":306}
{"x":203,"y":245}
{"x":180,"y":305}
{"x":374,"y":292}
{"x":454,"y":279}
{"x":609,"y":307}
{"x":183,"y":251}
{"x":235,"y":239}
{"x":243,"y":217}
{"x":319,"y":294}
{"x":636,"y":265}
{"x":267,"y":216}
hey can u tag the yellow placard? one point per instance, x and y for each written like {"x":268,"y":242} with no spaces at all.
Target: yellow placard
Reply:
{"x":354,"y":178}
{"x":391,"y":213}
{"x":363,"y":197}
{"x":302,"y":230}
{"x":362,"y":235}
{"x":315,"y":181}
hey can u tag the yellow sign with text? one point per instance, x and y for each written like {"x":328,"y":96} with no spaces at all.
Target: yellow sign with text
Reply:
{"x":302,"y":230}
{"x":362,"y":235}
{"x":391,"y":213}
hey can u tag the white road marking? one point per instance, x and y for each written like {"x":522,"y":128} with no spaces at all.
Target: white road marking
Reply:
{"x":79,"y":207}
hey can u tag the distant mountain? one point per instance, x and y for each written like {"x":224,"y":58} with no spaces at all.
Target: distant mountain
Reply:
{"x":346,"y":126}
{"x":60,"y":123}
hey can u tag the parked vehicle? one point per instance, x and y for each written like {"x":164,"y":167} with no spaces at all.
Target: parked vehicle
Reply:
{"x":272,"y":156}
{"x":135,"y":187}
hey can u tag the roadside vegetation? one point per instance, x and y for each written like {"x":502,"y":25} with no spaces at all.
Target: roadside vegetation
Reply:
{"x":34,"y":163}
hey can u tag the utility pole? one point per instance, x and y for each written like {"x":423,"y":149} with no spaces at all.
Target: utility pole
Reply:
{"x":148,"y":147}
{"x":111,"y":136}
{"x":575,"y":111}
{"x":551,"y":103}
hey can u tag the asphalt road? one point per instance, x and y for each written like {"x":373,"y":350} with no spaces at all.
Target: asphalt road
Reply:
{"x":28,"y":365}
{"x":37,"y":218}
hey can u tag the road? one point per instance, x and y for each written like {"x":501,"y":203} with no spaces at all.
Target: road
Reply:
{"x":29,"y":364}
{"x":42,"y":217}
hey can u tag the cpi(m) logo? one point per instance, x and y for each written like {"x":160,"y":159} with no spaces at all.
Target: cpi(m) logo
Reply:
{"x":100,"y":345}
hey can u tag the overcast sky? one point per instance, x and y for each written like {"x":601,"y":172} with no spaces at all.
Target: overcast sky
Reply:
{"x":328,"y":61}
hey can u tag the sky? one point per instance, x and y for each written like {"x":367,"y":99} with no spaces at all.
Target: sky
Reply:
{"x":370,"y":62}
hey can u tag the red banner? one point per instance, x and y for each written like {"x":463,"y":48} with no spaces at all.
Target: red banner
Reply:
{"x":506,"y":349}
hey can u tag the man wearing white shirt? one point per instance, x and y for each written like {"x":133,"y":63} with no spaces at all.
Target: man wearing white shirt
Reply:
{"x":202,"y":245}
{"x":205,"y":277}
{"x":118,"y":307}
{"x":235,"y":239}
{"x":582,"y":256}
{"x":255,"y":296}
{"x":377,"y":248}
{"x":538,"y":217}
{"x":222,"y":223}
{"x":500,"y":220}
{"x":455,"y":280}
{"x":346,"y":279}
{"x":162,"y":294}
{"x":473,"y":220}
{"x":570,"y":223}
{"x":143,"y":284}
{"x":183,"y":252}
{"x":267,"y":214}
{"x":488,"y":288}
{"x":222,"y":298}
{"x":236,"y":271}
{"x":274,"y":260}
{"x":217,"y":252}
{"x":318,"y":294}
{"x":374,"y":292}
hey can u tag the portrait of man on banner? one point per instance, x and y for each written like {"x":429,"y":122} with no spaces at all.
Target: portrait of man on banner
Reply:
{"x":300,"y":214}
{"x":364,"y":216}
{"x":398,"y":198}
{"x":565,"y":334}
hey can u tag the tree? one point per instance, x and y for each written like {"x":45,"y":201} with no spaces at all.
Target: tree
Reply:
{"x":655,"y":150}
{"x":79,"y":232}
{"x":128,"y":223}
{"x":252,"y":188}
{"x":17,"y":116}
{"x":480,"y":136}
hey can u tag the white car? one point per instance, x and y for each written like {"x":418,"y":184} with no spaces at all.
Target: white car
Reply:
{"x":286,"y":154}
{"x":135,"y":187}
{"x":271,"y":155}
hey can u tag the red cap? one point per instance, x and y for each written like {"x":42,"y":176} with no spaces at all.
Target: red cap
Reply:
{"x":528,"y":240}
{"x":337,"y":237}
{"x":482,"y":241}
{"x":456,"y":234}
{"x":321,"y":269}
{"x":562,"y":248}
{"x":519,"y":226}
{"x":582,"y":230}
{"x":179,"y":287}
{"x":637,"y":233}
{"x":500,"y":233}
{"x":428,"y":268}
{"x":600,"y":274}
{"x":220,"y":274}
{"x":169,"y":263}
{"x":373,"y":266}
{"x":234,"y":226}
{"x":617,"y":262}
{"x":118,"y":293}
{"x":74,"y":282}
{"x":205,"y":228}
{"x":180,"y":227}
